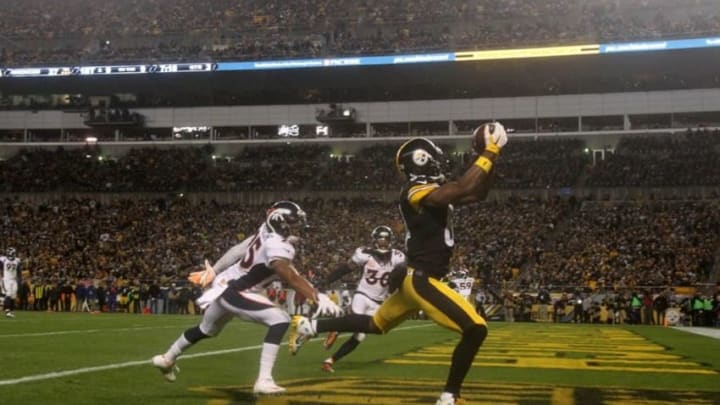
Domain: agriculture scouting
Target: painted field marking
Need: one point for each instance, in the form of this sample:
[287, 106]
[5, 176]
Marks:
[113, 366]
[617, 350]
[79, 331]
[373, 391]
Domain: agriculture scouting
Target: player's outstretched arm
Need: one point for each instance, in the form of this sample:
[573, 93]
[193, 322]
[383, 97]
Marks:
[232, 256]
[341, 270]
[287, 272]
[203, 278]
[474, 184]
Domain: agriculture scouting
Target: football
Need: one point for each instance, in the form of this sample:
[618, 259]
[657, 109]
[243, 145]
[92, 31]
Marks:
[478, 137]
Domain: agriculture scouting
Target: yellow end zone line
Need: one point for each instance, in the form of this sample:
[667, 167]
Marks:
[556, 366]
[354, 390]
[600, 361]
[348, 390]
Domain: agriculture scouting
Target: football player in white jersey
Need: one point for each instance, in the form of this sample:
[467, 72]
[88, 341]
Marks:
[376, 263]
[462, 282]
[263, 257]
[10, 266]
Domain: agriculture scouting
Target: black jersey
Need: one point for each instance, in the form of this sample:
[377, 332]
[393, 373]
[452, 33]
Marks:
[428, 230]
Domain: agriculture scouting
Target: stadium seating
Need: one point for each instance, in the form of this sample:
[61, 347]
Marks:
[83, 31]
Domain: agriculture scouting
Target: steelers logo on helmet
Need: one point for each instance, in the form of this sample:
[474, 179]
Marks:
[420, 157]
[420, 160]
[285, 218]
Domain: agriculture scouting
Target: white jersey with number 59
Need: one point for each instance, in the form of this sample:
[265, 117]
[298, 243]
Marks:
[376, 271]
[463, 284]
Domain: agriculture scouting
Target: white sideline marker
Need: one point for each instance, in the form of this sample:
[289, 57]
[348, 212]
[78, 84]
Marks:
[84, 370]
[73, 332]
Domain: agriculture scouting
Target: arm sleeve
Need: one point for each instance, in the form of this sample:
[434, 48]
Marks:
[341, 270]
[232, 256]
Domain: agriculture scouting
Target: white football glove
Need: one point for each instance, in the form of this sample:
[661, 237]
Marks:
[495, 134]
[202, 278]
[326, 306]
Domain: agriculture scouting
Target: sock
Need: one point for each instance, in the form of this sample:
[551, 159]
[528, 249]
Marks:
[346, 348]
[267, 360]
[177, 348]
[347, 323]
[463, 356]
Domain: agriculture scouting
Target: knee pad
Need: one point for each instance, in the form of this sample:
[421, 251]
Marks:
[476, 332]
[359, 336]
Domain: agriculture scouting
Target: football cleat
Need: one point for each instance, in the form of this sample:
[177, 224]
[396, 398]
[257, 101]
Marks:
[330, 340]
[327, 366]
[267, 386]
[449, 399]
[167, 368]
[301, 331]
[9, 315]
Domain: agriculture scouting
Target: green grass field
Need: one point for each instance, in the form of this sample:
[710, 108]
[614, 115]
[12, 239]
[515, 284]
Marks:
[48, 358]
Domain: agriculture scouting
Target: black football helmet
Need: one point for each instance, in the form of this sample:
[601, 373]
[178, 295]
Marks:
[11, 253]
[382, 237]
[285, 216]
[419, 159]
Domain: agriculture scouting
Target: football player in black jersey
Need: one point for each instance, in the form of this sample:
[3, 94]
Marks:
[426, 204]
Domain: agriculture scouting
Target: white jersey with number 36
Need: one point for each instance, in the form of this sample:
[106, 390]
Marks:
[376, 272]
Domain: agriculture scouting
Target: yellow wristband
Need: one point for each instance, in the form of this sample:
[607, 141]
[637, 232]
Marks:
[484, 163]
[493, 148]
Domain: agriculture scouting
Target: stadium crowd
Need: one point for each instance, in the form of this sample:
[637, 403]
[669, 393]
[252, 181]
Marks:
[147, 247]
[82, 31]
[638, 161]
[140, 250]
[621, 246]
[686, 159]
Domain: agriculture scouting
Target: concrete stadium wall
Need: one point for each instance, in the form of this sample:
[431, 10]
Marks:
[580, 105]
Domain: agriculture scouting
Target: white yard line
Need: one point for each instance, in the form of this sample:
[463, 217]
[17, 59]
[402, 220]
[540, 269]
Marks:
[709, 332]
[78, 331]
[84, 370]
